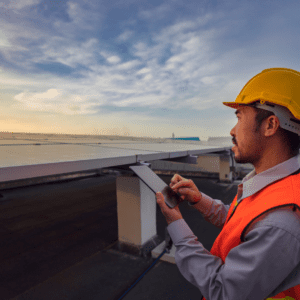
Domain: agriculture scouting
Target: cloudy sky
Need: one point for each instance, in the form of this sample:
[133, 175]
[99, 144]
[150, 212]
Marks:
[139, 68]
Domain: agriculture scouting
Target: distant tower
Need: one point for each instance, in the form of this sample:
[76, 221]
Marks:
[173, 135]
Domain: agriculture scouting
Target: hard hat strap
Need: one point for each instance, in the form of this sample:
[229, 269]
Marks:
[286, 119]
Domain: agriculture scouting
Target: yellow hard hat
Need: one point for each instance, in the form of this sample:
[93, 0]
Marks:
[279, 86]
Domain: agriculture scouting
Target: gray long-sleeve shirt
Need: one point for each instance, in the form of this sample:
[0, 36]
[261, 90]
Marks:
[267, 263]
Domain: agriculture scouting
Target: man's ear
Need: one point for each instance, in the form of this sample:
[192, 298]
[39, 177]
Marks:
[271, 125]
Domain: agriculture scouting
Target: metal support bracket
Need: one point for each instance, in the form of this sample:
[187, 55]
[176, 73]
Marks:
[142, 163]
[124, 169]
[189, 159]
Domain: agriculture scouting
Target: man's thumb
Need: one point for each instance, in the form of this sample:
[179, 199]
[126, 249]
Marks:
[160, 199]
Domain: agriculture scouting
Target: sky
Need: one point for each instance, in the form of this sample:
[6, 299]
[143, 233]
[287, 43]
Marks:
[137, 68]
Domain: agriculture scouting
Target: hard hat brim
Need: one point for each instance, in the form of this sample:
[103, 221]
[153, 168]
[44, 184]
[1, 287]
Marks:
[232, 104]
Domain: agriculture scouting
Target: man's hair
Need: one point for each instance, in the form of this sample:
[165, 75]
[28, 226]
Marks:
[291, 138]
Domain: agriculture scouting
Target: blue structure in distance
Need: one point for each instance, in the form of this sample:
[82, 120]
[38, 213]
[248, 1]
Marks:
[186, 138]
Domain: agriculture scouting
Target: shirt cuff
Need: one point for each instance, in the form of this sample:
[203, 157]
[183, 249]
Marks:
[203, 196]
[178, 230]
[192, 204]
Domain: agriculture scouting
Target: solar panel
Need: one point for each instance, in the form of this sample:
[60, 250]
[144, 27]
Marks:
[28, 158]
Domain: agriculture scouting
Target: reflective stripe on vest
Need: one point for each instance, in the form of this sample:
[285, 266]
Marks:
[278, 194]
[285, 298]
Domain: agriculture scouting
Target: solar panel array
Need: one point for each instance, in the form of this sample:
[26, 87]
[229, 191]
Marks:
[28, 156]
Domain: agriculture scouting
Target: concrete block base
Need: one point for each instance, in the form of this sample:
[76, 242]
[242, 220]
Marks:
[140, 250]
[168, 257]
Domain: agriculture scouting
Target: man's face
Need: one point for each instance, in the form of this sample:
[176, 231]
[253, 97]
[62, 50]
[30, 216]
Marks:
[248, 142]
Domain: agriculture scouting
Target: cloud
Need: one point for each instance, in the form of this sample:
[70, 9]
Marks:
[18, 4]
[158, 12]
[142, 100]
[4, 42]
[190, 64]
[83, 19]
[68, 52]
[73, 10]
[111, 58]
[208, 80]
[166, 70]
[14, 38]
[114, 59]
[125, 36]
[54, 100]
[144, 71]
[129, 65]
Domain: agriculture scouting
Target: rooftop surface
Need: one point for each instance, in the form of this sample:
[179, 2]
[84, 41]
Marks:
[59, 241]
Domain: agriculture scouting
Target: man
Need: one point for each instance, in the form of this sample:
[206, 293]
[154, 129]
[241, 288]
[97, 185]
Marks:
[257, 253]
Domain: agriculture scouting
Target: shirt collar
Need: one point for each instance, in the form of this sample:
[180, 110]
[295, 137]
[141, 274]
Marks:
[253, 183]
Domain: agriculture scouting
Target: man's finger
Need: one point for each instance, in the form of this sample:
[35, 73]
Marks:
[187, 183]
[159, 197]
[176, 178]
[185, 191]
[160, 200]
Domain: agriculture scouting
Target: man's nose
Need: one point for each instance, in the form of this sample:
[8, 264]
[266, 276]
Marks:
[232, 132]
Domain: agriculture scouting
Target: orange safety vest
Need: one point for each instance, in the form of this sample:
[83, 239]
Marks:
[284, 192]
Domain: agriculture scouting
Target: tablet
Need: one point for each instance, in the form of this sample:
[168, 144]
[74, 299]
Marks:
[156, 184]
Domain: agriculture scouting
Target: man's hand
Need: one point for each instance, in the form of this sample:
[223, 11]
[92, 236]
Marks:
[186, 188]
[171, 214]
